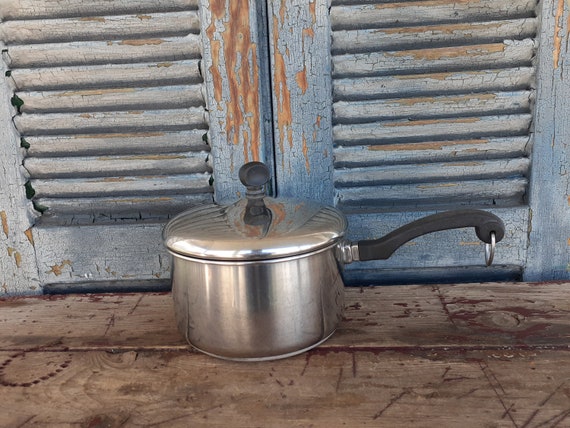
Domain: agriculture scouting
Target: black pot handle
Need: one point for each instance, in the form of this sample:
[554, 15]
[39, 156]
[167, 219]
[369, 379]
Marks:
[485, 224]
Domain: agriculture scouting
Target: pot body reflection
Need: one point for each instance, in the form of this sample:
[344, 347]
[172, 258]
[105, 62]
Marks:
[258, 310]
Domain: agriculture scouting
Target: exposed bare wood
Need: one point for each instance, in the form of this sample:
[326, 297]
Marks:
[236, 88]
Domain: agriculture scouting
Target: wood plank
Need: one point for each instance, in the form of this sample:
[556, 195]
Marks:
[506, 388]
[109, 210]
[128, 98]
[18, 269]
[32, 9]
[380, 15]
[461, 316]
[122, 185]
[482, 103]
[98, 53]
[400, 131]
[103, 27]
[378, 87]
[432, 172]
[549, 237]
[103, 76]
[236, 76]
[113, 144]
[301, 89]
[378, 198]
[456, 355]
[368, 40]
[431, 151]
[113, 121]
[103, 166]
[515, 53]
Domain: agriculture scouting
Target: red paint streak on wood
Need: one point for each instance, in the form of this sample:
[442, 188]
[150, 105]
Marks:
[234, 62]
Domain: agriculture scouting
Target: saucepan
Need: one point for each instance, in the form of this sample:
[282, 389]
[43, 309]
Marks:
[261, 279]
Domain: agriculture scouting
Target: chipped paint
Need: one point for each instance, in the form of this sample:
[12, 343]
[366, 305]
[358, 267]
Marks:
[442, 29]
[95, 92]
[306, 155]
[164, 64]
[18, 259]
[30, 236]
[453, 164]
[144, 17]
[432, 122]
[437, 145]
[57, 270]
[120, 135]
[142, 42]
[140, 157]
[557, 30]
[451, 99]
[450, 52]
[234, 66]
[4, 219]
[427, 3]
[281, 90]
[301, 79]
[93, 19]
[437, 186]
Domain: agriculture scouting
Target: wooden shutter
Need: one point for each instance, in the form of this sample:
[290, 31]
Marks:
[112, 119]
[432, 110]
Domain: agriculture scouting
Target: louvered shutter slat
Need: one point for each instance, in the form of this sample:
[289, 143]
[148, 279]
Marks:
[100, 28]
[33, 9]
[378, 87]
[137, 143]
[108, 76]
[431, 151]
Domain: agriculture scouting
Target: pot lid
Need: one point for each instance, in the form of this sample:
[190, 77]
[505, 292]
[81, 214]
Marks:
[255, 228]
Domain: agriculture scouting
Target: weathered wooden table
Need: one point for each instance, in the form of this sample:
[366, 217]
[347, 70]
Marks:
[471, 355]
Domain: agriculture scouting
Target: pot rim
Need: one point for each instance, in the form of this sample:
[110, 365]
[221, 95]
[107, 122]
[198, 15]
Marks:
[236, 262]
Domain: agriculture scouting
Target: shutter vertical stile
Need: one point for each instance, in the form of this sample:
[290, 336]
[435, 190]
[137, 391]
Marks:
[113, 122]
[432, 110]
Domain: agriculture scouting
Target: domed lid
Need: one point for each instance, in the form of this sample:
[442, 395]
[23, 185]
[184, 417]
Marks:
[255, 228]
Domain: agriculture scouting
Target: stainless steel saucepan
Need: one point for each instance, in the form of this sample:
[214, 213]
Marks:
[261, 279]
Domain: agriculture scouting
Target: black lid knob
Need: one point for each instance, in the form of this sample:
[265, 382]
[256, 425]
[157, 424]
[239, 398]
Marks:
[254, 174]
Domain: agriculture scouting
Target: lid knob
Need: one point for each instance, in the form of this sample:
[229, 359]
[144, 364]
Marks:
[253, 176]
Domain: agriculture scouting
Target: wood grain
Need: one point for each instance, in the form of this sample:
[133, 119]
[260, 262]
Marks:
[549, 238]
[470, 355]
